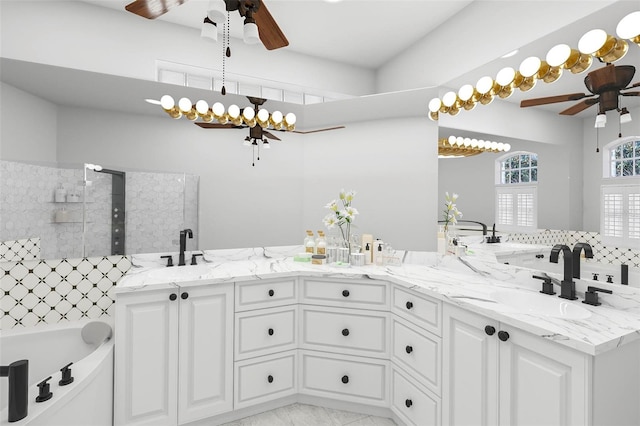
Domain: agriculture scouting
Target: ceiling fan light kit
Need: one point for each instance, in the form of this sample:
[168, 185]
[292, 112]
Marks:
[209, 29]
[593, 44]
[601, 120]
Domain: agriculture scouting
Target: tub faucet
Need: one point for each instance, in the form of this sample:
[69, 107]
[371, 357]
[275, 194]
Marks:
[18, 374]
[183, 244]
[588, 253]
[567, 286]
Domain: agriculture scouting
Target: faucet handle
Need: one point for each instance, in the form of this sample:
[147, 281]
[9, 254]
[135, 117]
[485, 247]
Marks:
[591, 297]
[169, 259]
[194, 258]
[547, 285]
[44, 394]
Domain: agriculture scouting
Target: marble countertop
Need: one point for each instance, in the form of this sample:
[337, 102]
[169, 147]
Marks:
[470, 282]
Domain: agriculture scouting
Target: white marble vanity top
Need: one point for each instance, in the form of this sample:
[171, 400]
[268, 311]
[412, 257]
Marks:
[469, 282]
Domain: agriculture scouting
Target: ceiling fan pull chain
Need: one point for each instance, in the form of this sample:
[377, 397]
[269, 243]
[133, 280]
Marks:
[226, 53]
[597, 139]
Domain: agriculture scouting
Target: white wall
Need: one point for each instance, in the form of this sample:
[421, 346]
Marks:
[63, 33]
[27, 126]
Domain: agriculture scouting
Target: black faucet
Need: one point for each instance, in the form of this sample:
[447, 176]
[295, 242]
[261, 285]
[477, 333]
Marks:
[183, 244]
[493, 238]
[18, 374]
[567, 286]
[588, 253]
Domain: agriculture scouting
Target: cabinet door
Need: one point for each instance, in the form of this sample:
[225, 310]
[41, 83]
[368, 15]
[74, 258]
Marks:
[146, 354]
[470, 375]
[541, 382]
[206, 352]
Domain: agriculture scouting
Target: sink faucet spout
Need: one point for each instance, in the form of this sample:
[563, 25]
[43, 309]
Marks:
[567, 286]
[588, 253]
[183, 244]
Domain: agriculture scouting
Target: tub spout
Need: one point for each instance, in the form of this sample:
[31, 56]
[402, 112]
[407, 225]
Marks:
[18, 375]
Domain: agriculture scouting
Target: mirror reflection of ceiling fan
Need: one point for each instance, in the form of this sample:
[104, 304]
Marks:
[254, 11]
[258, 132]
[605, 84]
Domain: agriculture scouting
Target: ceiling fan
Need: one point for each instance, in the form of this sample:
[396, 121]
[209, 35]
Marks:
[254, 11]
[605, 84]
[258, 132]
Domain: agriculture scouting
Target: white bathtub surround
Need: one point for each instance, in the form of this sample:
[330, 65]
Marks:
[615, 322]
[58, 290]
[88, 399]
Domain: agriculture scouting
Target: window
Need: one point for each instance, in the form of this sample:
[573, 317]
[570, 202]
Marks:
[517, 192]
[620, 193]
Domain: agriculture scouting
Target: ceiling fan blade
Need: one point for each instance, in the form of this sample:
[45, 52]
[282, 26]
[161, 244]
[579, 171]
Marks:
[581, 106]
[552, 99]
[216, 125]
[305, 132]
[630, 94]
[270, 135]
[270, 33]
[151, 9]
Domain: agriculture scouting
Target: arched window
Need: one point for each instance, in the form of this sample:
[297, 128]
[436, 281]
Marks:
[620, 193]
[517, 192]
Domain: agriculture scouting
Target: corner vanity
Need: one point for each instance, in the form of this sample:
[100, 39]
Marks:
[428, 342]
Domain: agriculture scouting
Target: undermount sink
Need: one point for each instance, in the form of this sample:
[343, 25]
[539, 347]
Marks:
[180, 273]
[539, 304]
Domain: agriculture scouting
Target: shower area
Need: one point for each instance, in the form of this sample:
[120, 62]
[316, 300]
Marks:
[81, 211]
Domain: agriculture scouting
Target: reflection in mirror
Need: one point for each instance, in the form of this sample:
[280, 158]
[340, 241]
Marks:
[58, 212]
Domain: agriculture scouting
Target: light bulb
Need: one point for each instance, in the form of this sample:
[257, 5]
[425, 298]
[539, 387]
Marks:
[185, 104]
[167, 102]
[435, 104]
[218, 109]
[234, 111]
[202, 107]
[248, 113]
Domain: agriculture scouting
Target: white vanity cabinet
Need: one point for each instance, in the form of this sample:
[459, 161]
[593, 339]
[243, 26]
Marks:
[266, 341]
[344, 340]
[416, 355]
[495, 374]
[173, 354]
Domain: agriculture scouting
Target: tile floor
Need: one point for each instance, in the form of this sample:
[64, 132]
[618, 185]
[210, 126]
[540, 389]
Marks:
[310, 415]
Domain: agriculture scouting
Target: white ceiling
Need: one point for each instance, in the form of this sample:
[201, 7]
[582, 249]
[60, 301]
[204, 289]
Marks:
[365, 33]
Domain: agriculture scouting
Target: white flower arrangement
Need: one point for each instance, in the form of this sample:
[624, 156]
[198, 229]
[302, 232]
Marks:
[451, 214]
[342, 217]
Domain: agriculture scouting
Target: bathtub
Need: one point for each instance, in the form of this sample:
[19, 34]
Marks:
[88, 401]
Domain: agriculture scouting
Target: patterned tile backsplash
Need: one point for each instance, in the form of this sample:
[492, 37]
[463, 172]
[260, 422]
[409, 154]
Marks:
[16, 250]
[50, 291]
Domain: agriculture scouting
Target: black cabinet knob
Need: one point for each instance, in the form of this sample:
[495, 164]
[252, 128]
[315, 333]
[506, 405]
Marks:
[345, 379]
[184, 295]
[408, 403]
[173, 296]
[490, 330]
[503, 335]
[271, 293]
[345, 293]
[409, 305]
[270, 332]
[408, 349]
[345, 332]
[270, 378]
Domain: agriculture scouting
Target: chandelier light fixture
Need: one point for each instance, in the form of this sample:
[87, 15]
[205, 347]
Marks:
[593, 44]
[457, 146]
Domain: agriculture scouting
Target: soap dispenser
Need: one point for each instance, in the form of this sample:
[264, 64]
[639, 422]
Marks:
[378, 252]
[310, 243]
[321, 244]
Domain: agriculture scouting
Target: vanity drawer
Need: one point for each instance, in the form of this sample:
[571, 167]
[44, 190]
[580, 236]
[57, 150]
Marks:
[413, 405]
[418, 352]
[369, 294]
[418, 308]
[353, 379]
[265, 331]
[266, 293]
[265, 378]
[351, 331]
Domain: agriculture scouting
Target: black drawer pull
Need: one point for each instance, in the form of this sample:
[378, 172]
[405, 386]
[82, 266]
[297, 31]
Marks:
[173, 296]
[490, 330]
[345, 379]
[503, 335]
[270, 332]
[409, 305]
[184, 295]
[345, 332]
[271, 293]
[409, 349]
[345, 293]
[408, 403]
[270, 378]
